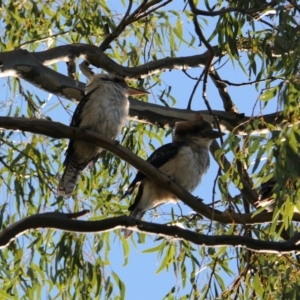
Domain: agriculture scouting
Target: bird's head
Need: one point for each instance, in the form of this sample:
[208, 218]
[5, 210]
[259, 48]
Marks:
[118, 81]
[197, 131]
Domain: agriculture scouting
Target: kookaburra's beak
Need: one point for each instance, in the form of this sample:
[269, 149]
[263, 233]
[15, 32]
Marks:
[132, 91]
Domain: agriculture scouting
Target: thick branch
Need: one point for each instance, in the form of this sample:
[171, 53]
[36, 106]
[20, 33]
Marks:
[22, 64]
[97, 58]
[58, 130]
[32, 68]
[61, 221]
[229, 121]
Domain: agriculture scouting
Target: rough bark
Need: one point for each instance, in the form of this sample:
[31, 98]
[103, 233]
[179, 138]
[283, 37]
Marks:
[32, 67]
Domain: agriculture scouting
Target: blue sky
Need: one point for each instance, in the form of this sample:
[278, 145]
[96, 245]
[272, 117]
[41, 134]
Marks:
[139, 275]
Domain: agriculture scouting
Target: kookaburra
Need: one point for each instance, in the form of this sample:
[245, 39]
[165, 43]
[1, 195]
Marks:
[185, 160]
[265, 198]
[103, 109]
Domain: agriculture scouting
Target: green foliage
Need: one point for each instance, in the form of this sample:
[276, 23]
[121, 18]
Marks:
[72, 266]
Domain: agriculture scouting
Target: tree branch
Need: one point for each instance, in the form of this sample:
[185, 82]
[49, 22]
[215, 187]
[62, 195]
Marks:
[23, 64]
[140, 12]
[97, 58]
[58, 130]
[222, 88]
[32, 68]
[245, 11]
[56, 220]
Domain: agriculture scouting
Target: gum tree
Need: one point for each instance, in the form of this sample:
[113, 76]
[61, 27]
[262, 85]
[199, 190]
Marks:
[48, 50]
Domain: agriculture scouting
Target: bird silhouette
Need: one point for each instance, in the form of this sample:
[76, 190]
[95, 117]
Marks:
[185, 160]
[104, 109]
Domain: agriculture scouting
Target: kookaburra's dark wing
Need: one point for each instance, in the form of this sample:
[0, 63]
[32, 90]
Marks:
[76, 119]
[72, 167]
[75, 122]
[157, 159]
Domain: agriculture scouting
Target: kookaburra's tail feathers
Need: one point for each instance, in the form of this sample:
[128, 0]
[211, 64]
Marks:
[70, 178]
[136, 214]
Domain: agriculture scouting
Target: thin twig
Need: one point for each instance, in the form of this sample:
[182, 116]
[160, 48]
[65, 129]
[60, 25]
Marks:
[251, 82]
[118, 30]
[194, 90]
[210, 278]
